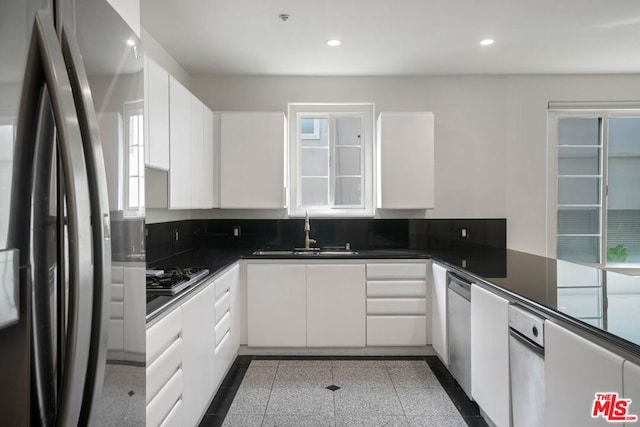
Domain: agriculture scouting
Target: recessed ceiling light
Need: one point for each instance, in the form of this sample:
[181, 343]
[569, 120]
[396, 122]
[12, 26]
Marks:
[333, 42]
[487, 42]
[131, 43]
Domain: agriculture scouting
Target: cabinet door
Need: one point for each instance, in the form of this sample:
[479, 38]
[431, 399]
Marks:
[439, 312]
[631, 384]
[197, 154]
[116, 310]
[156, 97]
[208, 176]
[134, 315]
[252, 160]
[276, 305]
[234, 278]
[407, 178]
[197, 334]
[336, 305]
[490, 354]
[180, 146]
[575, 370]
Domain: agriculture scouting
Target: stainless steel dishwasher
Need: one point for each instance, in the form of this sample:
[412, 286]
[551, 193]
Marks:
[459, 329]
[526, 360]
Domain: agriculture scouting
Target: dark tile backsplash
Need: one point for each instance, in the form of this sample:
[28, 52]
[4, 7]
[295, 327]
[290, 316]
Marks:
[362, 234]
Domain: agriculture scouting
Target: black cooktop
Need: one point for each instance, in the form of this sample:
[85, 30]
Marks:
[171, 280]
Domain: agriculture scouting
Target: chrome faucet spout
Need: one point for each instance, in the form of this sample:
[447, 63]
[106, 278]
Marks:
[307, 230]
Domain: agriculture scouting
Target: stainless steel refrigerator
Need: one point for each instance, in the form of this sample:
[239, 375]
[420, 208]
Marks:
[71, 201]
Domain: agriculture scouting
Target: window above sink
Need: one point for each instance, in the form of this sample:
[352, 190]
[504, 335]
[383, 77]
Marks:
[331, 159]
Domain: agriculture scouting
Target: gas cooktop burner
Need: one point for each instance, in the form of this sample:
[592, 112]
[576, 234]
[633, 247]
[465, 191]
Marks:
[170, 281]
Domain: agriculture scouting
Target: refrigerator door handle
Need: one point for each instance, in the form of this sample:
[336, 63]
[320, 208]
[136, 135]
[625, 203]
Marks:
[45, 66]
[100, 222]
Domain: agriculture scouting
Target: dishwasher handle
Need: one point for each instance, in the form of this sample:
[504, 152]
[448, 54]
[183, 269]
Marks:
[459, 285]
[526, 342]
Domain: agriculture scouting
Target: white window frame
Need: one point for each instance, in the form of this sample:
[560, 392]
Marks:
[592, 111]
[316, 131]
[128, 211]
[366, 111]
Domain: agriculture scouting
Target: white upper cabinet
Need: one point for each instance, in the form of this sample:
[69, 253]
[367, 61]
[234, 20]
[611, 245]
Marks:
[406, 161]
[209, 180]
[180, 143]
[575, 370]
[191, 178]
[252, 160]
[490, 354]
[156, 114]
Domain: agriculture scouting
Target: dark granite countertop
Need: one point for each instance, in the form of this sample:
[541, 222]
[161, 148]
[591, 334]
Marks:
[602, 302]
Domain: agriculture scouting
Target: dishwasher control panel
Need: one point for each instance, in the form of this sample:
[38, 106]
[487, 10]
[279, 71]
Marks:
[527, 324]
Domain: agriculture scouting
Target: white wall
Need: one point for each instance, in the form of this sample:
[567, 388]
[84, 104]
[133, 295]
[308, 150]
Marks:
[491, 133]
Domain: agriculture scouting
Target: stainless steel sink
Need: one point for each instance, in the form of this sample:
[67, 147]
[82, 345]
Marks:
[314, 252]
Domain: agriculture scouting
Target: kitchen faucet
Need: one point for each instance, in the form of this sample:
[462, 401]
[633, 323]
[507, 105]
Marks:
[307, 229]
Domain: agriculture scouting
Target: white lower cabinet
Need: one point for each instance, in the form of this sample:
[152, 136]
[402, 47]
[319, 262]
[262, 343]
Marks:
[631, 387]
[197, 331]
[190, 350]
[392, 330]
[397, 304]
[575, 370]
[439, 312]
[276, 305]
[490, 354]
[336, 305]
[164, 352]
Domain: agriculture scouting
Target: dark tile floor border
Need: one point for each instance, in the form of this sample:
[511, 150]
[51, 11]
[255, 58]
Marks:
[217, 411]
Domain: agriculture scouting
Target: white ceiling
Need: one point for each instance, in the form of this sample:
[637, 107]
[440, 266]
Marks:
[398, 37]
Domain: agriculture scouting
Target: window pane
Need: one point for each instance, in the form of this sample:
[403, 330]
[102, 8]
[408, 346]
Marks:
[133, 161]
[578, 161]
[578, 191]
[578, 131]
[348, 191]
[133, 193]
[579, 249]
[314, 132]
[348, 130]
[314, 161]
[579, 221]
[314, 191]
[348, 161]
[142, 193]
[623, 209]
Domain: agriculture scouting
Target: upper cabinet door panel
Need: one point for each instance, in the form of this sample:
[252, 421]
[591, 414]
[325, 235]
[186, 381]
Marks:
[157, 115]
[208, 177]
[406, 159]
[197, 154]
[252, 160]
[180, 146]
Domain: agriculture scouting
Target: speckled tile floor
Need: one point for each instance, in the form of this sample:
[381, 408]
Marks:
[123, 396]
[340, 392]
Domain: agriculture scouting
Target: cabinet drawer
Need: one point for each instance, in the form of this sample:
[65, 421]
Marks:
[117, 292]
[224, 355]
[163, 333]
[223, 327]
[174, 419]
[158, 409]
[397, 271]
[116, 310]
[163, 368]
[222, 286]
[116, 334]
[397, 288]
[222, 306]
[117, 275]
[396, 330]
[397, 306]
